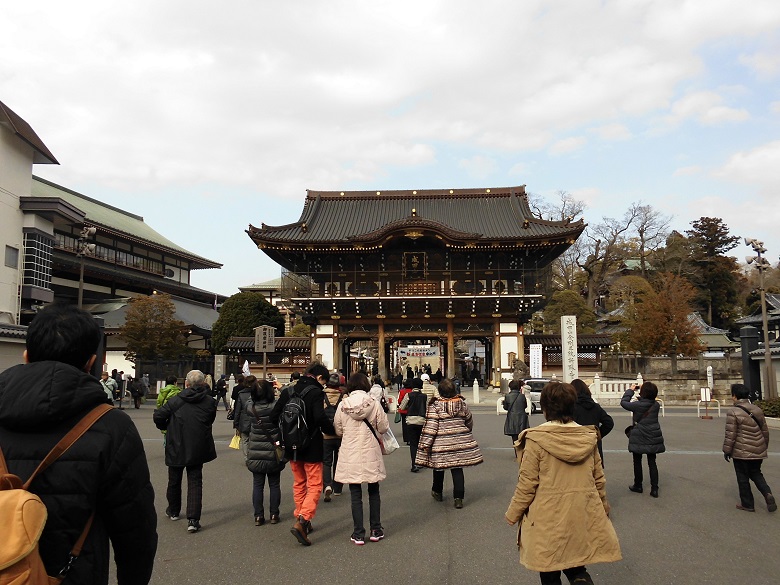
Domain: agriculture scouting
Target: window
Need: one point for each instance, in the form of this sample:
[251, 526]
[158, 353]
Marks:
[11, 257]
[37, 260]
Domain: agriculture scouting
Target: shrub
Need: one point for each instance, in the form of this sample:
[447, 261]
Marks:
[770, 407]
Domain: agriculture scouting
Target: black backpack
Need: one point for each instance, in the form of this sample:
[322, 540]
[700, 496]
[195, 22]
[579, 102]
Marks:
[330, 409]
[293, 426]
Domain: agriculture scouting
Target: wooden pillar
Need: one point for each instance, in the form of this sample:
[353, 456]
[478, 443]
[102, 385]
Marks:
[382, 369]
[520, 344]
[450, 348]
[336, 348]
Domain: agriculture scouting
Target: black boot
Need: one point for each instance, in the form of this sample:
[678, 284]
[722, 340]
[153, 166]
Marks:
[636, 488]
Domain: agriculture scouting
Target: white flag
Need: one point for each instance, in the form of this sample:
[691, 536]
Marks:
[245, 369]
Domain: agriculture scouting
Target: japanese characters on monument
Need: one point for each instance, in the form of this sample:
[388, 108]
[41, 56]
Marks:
[264, 339]
[569, 348]
[535, 365]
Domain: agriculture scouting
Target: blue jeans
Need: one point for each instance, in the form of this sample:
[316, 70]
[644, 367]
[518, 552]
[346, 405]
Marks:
[258, 486]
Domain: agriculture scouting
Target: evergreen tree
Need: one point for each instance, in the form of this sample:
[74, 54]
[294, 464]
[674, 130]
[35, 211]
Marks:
[568, 302]
[240, 314]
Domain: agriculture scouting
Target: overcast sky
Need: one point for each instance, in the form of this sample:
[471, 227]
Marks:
[204, 117]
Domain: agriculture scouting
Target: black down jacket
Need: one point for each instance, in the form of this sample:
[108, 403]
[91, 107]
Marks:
[587, 412]
[188, 417]
[104, 470]
[263, 436]
[646, 436]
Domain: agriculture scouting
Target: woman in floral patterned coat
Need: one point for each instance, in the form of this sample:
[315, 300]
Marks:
[446, 441]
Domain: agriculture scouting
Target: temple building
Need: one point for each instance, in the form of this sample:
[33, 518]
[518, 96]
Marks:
[446, 277]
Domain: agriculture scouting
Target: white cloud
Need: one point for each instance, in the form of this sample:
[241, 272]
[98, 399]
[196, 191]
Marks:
[757, 167]
[613, 132]
[567, 145]
[706, 108]
[765, 65]
[687, 171]
[479, 167]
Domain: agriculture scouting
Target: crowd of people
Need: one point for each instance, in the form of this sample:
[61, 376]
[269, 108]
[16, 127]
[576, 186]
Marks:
[331, 431]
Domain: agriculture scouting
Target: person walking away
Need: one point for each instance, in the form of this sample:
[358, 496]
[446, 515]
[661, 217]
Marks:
[104, 473]
[377, 392]
[145, 385]
[516, 417]
[331, 443]
[415, 403]
[187, 417]
[242, 421]
[167, 392]
[407, 387]
[428, 389]
[110, 386]
[645, 437]
[221, 390]
[747, 445]
[306, 459]
[587, 412]
[261, 458]
[136, 391]
[359, 421]
[446, 441]
[560, 499]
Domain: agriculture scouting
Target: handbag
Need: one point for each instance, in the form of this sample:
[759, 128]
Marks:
[230, 414]
[235, 442]
[397, 416]
[630, 428]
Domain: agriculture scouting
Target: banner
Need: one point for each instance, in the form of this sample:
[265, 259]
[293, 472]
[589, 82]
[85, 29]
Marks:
[418, 351]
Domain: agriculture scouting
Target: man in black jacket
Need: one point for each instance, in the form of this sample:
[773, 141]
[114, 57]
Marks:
[189, 444]
[104, 472]
[306, 463]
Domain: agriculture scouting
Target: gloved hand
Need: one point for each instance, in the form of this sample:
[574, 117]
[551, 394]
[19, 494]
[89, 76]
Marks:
[727, 457]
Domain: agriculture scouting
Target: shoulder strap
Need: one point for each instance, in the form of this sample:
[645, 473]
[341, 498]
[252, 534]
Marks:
[260, 424]
[373, 432]
[750, 414]
[71, 437]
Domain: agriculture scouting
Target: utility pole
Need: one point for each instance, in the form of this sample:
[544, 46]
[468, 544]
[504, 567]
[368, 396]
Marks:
[762, 264]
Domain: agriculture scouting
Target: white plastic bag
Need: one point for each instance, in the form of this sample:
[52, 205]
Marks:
[389, 442]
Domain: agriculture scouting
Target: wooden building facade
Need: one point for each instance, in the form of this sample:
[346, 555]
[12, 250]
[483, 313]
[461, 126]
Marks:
[432, 266]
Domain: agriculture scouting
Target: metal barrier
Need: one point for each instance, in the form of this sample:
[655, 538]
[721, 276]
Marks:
[698, 406]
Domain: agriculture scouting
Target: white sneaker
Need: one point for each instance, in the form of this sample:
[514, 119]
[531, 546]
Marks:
[328, 492]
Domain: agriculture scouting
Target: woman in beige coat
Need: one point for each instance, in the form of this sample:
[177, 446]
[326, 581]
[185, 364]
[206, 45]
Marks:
[561, 499]
[359, 421]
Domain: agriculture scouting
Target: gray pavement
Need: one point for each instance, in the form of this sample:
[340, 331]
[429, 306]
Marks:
[691, 534]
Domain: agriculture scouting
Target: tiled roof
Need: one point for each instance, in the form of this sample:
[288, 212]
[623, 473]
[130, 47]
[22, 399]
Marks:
[13, 331]
[24, 131]
[274, 284]
[583, 340]
[116, 220]
[196, 315]
[280, 343]
[695, 319]
[461, 214]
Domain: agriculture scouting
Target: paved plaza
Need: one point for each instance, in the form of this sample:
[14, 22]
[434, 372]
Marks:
[691, 534]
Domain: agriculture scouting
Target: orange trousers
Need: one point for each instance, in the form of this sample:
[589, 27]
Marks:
[307, 487]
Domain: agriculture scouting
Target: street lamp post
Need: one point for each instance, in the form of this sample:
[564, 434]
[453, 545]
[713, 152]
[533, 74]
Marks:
[761, 265]
[84, 247]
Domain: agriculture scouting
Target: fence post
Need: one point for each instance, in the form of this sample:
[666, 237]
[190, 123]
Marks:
[596, 387]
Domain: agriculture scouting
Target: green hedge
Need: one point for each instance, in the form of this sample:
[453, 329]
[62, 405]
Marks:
[770, 407]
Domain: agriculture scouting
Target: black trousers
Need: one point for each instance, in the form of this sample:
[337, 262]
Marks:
[554, 577]
[651, 466]
[458, 482]
[194, 490]
[413, 432]
[747, 470]
[374, 508]
[330, 458]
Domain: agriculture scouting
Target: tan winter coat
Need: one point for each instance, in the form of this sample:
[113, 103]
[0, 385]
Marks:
[360, 456]
[561, 499]
[746, 438]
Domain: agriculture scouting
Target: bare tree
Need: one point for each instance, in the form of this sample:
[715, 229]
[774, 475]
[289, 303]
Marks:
[604, 251]
[652, 228]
